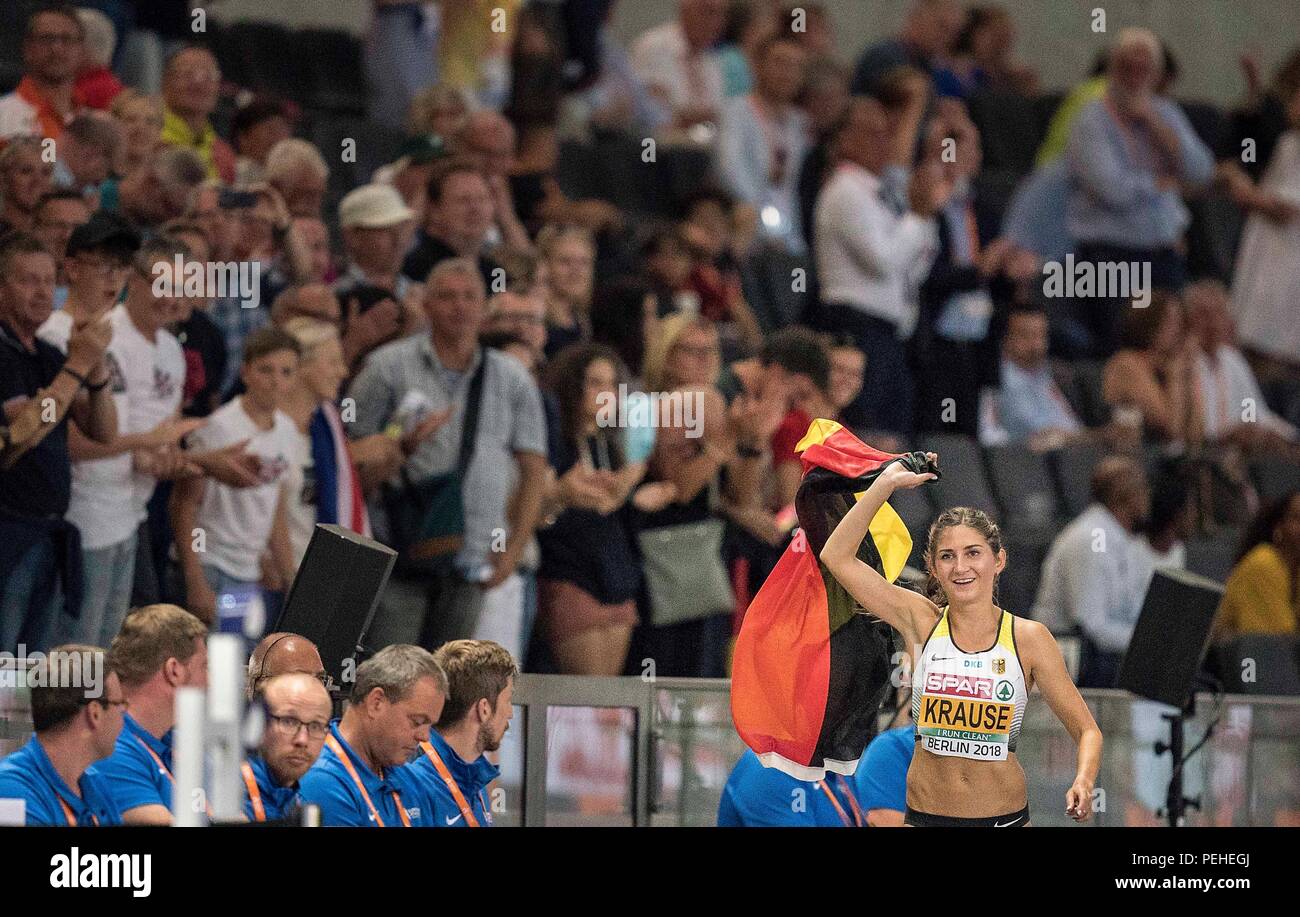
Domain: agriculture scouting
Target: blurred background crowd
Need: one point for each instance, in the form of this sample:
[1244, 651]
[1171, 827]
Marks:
[476, 224]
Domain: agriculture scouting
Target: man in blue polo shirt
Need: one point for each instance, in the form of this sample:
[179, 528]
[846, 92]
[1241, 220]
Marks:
[160, 649]
[359, 780]
[297, 721]
[881, 777]
[764, 797]
[451, 769]
[76, 725]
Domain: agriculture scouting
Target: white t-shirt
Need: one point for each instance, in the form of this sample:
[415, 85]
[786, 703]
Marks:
[1266, 283]
[237, 521]
[17, 117]
[868, 256]
[663, 60]
[108, 498]
[301, 479]
[155, 381]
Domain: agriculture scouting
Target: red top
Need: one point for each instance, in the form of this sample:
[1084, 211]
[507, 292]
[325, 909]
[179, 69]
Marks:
[98, 87]
[792, 429]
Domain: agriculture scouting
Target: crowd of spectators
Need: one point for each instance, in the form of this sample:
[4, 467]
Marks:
[205, 350]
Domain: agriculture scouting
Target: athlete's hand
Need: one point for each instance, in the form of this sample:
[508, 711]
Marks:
[1078, 800]
[900, 478]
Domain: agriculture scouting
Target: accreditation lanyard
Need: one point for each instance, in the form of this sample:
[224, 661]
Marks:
[164, 769]
[254, 794]
[335, 747]
[461, 802]
[68, 814]
[858, 821]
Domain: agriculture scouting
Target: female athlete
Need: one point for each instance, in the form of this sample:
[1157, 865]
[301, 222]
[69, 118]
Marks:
[974, 665]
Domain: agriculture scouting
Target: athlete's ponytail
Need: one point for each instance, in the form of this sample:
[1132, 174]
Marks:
[976, 519]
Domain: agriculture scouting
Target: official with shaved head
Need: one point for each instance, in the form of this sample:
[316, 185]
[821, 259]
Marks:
[297, 709]
[280, 654]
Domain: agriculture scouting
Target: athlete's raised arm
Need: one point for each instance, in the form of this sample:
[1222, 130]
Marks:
[1047, 669]
[900, 608]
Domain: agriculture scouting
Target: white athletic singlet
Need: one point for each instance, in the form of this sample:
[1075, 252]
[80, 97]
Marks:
[969, 705]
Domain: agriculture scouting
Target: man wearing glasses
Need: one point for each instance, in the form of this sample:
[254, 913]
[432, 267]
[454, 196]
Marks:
[45, 100]
[297, 721]
[112, 482]
[190, 90]
[76, 725]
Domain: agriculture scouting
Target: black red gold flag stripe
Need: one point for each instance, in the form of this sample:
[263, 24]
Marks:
[809, 670]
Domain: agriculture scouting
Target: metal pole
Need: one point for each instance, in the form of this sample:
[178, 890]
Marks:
[225, 716]
[188, 798]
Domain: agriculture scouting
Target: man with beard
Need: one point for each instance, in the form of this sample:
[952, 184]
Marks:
[297, 722]
[451, 769]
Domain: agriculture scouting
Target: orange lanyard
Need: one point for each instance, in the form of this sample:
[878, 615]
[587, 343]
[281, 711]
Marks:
[163, 768]
[156, 760]
[448, 779]
[858, 821]
[335, 747]
[67, 812]
[254, 794]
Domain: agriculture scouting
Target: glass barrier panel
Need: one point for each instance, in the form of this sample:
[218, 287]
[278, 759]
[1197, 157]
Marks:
[589, 766]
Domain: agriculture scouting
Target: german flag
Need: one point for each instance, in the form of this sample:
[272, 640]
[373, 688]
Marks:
[809, 670]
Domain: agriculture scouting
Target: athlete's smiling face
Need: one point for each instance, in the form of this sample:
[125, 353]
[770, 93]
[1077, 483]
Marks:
[966, 565]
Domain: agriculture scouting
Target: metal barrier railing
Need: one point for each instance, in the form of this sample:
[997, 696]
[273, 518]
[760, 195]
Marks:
[657, 751]
[634, 751]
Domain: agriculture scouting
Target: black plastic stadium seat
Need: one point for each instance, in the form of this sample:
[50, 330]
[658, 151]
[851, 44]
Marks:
[964, 482]
[336, 77]
[266, 53]
[768, 278]
[576, 170]
[376, 145]
[1275, 477]
[1080, 382]
[1213, 236]
[1045, 106]
[1211, 555]
[1073, 470]
[625, 179]
[1010, 129]
[994, 189]
[1025, 491]
[1018, 584]
[1209, 121]
[1270, 658]
[13, 19]
[685, 171]
[230, 58]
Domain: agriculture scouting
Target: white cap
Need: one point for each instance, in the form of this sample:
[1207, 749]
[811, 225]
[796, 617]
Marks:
[373, 206]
